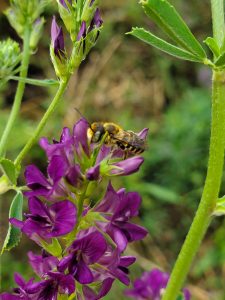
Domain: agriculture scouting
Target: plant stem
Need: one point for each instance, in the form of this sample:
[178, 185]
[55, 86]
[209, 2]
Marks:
[48, 113]
[210, 192]
[19, 91]
[217, 7]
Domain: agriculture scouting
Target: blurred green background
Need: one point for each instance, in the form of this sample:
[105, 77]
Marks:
[134, 85]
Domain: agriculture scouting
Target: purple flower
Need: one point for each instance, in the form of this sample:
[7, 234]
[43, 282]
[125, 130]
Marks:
[52, 187]
[87, 249]
[82, 31]
[91, 294]
[96, 22]
[55, 283]
[42, 264]
[47, 221]
[57, 39]
[63, 148]
[93, 173]
[119, 207]
[24, 291]
[127, 166]
[151, 286]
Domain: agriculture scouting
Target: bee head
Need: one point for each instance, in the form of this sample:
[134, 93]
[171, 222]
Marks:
[96, 132]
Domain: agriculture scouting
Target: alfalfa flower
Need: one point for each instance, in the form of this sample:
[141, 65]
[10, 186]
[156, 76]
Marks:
[151, 286]
[45, 221]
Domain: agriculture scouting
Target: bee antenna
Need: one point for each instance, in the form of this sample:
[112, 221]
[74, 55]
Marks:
[82, 116]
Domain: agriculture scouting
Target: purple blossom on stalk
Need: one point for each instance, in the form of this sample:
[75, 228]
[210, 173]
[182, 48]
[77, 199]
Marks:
[25, 290]
[86, 250]
[96, 21]
[118, 208]
[151, 286]
[45, 221]
[42, 264]
[57, 39]
[54, 284]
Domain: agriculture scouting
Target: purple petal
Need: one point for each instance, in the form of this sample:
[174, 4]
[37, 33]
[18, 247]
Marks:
[96, 21]
[37, 207]
[41, 265]
[16, 223]
[57, 167]
[187, 294]
[126, 261]
[128, 166]
[35, 178]
[103, 153]
[82, 31]
[135, 232]
[57, 38]
[143, 134]
[110, 201]
[119, 238]
[93, 246]
[80, 136]
[93, 173]
[74, 176]
[19, 280]
[7, 296]
[83, 274]
[64, 214]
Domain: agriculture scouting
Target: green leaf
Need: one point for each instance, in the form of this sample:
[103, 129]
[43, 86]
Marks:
[168, 19]
[9, 169]
[37, 82]
[14, 234]
[220, 60]
[213, 46]
[155, 41]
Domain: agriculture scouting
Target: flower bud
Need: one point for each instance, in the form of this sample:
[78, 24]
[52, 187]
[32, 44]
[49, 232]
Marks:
[36, 33]
[57, 50]
[9, 59]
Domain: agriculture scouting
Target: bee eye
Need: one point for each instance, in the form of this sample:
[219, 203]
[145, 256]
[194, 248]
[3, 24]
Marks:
[96, 137]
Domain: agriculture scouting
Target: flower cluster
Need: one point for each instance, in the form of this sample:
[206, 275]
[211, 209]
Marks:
[83, 235]
[83, 23]
[151, 286]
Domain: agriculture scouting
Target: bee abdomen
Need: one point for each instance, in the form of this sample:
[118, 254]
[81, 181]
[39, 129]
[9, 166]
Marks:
[131, 148]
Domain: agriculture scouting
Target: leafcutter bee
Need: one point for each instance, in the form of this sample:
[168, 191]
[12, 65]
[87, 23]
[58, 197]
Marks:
[126, 140]
[114, 135]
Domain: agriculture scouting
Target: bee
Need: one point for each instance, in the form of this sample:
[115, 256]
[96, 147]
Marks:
[126, 140]
[114, 135]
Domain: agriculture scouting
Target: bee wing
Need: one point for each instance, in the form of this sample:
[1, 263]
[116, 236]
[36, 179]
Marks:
[130, 138]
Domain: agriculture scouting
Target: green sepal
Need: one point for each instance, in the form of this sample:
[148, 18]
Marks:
[9, 169]
[213, 46]
[90, 219]
[220, 60]
[14, 234]
[163, 45]
[54, 248]
[168, 20]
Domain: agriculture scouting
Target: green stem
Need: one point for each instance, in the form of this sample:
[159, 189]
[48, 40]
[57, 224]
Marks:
[217, 7]
[48, 113]
[210, 192]
[19, 91]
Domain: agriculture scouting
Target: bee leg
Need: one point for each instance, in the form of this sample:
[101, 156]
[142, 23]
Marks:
[125, 156]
